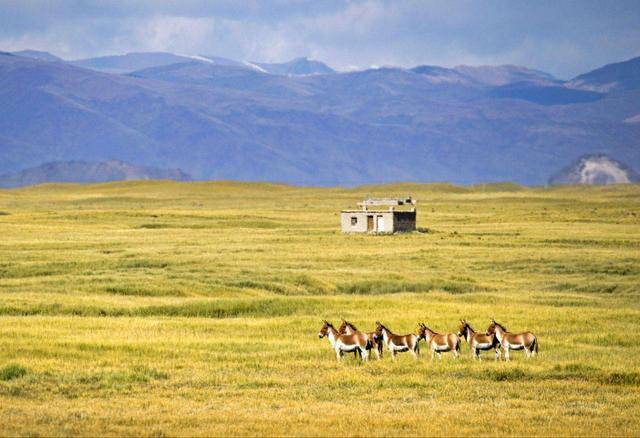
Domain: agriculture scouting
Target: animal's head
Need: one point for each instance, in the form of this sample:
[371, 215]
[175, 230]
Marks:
[343, 327]
[378, 332]
[347, 327]
[324, 330]
[422, 331]
[493, 325]
[464, 327]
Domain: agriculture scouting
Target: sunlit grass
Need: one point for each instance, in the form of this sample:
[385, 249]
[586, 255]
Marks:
[160, 308]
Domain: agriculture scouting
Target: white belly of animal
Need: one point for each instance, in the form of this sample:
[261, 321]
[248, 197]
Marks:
[442, 348]
[515, 346]
[345, 347]
[482, 346]
[398, 347]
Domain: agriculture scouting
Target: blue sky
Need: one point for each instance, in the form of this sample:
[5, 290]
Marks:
[564, 38]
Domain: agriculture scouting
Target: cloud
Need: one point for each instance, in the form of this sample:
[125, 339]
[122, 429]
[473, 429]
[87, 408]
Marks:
[562, 37]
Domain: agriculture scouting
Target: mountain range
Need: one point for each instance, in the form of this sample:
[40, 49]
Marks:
[301, 122]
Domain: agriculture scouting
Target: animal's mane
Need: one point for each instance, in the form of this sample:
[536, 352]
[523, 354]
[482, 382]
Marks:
[386, 328]
[504, 329]
[348, 324]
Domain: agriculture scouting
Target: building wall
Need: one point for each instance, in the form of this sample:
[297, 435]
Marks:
[385, 225]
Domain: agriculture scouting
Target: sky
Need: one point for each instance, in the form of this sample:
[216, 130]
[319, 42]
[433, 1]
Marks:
[564, 38]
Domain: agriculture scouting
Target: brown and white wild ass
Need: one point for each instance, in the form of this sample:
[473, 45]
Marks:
[397, 343]
[440, 343]
[375, 344]
[526, 341]
[342, 343]
[478, 341]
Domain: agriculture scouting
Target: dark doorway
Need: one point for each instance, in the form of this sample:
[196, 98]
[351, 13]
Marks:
[369, 223]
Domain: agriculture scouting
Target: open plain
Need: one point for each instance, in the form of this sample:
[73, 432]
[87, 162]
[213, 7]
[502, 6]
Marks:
[161, 308]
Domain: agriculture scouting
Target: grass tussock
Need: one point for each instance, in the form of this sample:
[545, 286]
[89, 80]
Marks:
[12, 371]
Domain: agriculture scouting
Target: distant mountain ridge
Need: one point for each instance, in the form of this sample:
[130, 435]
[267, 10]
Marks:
[224, 119]
[612, 77]
[86, 172]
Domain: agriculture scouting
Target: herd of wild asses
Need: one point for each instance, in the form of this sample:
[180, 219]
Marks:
[347, 338]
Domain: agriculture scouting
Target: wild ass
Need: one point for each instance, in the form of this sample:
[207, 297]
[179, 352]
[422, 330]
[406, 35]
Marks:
[397, 343]
[374, 344]
[342, 343]
[478, 341]
[526, 341]
[439, 343]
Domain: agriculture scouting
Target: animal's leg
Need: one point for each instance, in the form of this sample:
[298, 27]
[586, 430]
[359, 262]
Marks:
[393, 354]
[506, 354]
[365, 355]
[497, 353]
[433, 353]
[338, 354]
[456, 353]
[439, 355]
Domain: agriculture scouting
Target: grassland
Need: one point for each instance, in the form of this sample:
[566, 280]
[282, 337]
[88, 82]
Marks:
[160, 308]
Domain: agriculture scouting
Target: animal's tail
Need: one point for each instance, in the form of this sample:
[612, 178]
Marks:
[535, 346]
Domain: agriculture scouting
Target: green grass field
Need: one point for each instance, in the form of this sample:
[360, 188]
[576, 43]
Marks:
[158, 308]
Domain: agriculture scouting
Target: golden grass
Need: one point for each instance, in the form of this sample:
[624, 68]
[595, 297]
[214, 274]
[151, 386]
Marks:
[160, 308]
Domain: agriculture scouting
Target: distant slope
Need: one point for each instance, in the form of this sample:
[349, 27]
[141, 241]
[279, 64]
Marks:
[504, 74]
[612, 77]
[85, 172]
[296, 67]
[595, 169]
[130, 61]
[37, 54]
[544, 94]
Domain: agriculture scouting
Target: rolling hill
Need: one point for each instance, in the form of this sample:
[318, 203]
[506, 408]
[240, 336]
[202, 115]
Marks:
[596, 169]
[84, 172]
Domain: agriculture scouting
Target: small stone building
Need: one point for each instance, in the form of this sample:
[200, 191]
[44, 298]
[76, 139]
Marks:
[400, 216]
